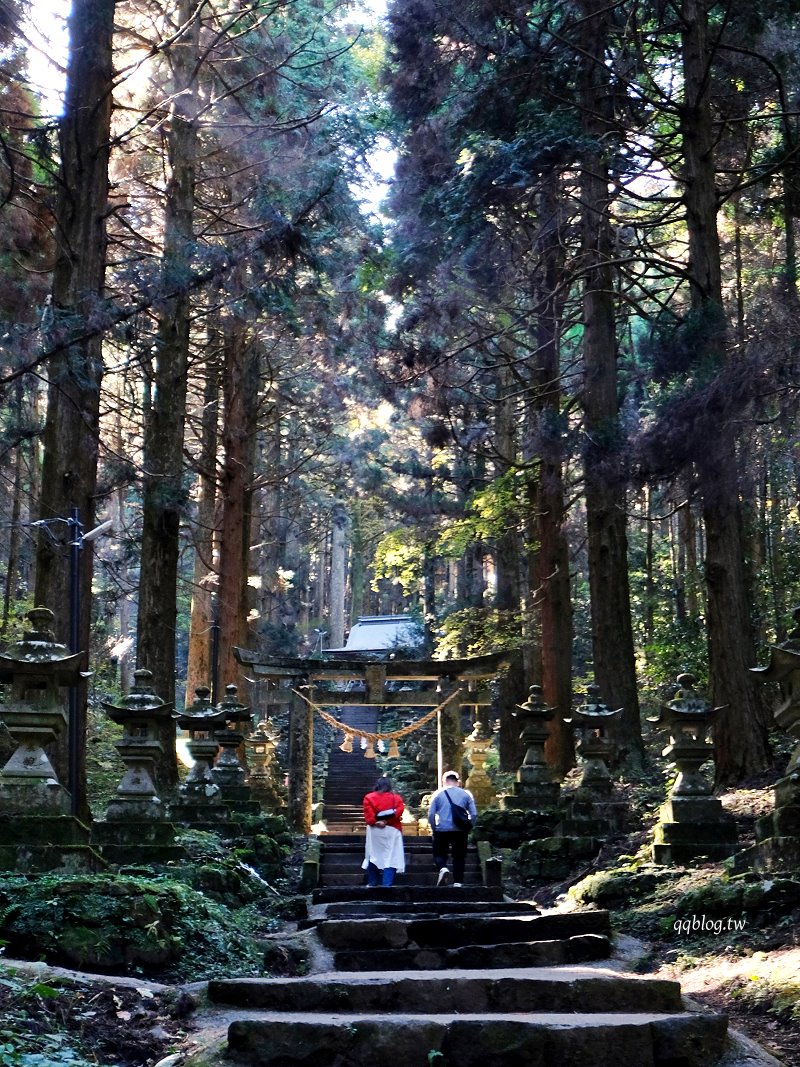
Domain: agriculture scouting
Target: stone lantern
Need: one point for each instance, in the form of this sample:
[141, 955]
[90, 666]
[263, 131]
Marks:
[778, 834]
[692, 823]
[135, 829]
[264, 786]
[590, 722]
[34, 713]
[140, 715]
[200, 801]
[477, 745]
[591, 810]
[534, 787]
[37, 830]
[688, 718]
[228, 772]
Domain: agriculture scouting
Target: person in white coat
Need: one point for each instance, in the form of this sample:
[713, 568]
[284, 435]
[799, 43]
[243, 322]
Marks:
[384, 856]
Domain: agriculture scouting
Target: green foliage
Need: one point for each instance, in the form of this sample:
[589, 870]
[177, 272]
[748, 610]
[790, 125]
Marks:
[399, 558]
[479, 631]
[489, 514]
[129, 925]
[24, 1040]
[104, 768]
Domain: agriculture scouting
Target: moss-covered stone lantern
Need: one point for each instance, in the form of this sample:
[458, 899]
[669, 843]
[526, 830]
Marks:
[36, 668]
[37, 830]
[141, 714]
[228, 772]
[199, 799]
[590, 723]
[534, 786]
[135, 829]
[692, 825]
[592, 811]
[264, 779]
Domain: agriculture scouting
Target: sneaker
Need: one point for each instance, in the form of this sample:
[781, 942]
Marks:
[457, 885]
[444, 876]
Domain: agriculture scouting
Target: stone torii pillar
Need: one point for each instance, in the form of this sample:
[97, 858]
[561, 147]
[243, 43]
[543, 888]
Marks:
[301, 763]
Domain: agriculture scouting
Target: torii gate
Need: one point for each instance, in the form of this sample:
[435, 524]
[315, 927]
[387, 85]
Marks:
[434, 680]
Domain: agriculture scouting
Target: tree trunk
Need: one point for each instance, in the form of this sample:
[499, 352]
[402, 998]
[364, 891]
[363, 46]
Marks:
[199, 667]
[338, 576]
[742, 746]
[511, 684]
[163, 493]
[551, 592]
[358, 562]
[238, 431]
[71, 435]
[605, 482]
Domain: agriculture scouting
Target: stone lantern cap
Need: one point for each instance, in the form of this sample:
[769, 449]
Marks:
[38, 653]
[534, 706]
[687, 713]
[201, 714]
[141, 703]
[594, 714]
[235, 713]
[784, 658]
[265, 732]
[686, 706]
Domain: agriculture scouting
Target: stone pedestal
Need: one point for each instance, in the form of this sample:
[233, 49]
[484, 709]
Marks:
[693, 829]
[40, 844]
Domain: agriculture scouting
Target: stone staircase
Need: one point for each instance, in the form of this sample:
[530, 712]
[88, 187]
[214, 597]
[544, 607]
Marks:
[350, 775]
[415, 977]
[343, 854]
[420, 976]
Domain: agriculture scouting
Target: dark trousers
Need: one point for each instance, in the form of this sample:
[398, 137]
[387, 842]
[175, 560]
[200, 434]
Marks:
[443, 841]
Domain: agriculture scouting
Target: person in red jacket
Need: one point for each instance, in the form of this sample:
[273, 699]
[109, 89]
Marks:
[384, 855]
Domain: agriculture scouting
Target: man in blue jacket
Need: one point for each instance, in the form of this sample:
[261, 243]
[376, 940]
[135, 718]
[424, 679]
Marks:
[443, 816]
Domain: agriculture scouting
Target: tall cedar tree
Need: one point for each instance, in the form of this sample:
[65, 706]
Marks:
[75, 369]
[742, 746]
[163, 492]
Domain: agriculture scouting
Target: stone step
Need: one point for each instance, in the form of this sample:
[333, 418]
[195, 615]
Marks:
[410, 894]
[547, 990]
[653, 1039]
[582, 948]
[456, 931]
[407, 910]
[333, 845]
